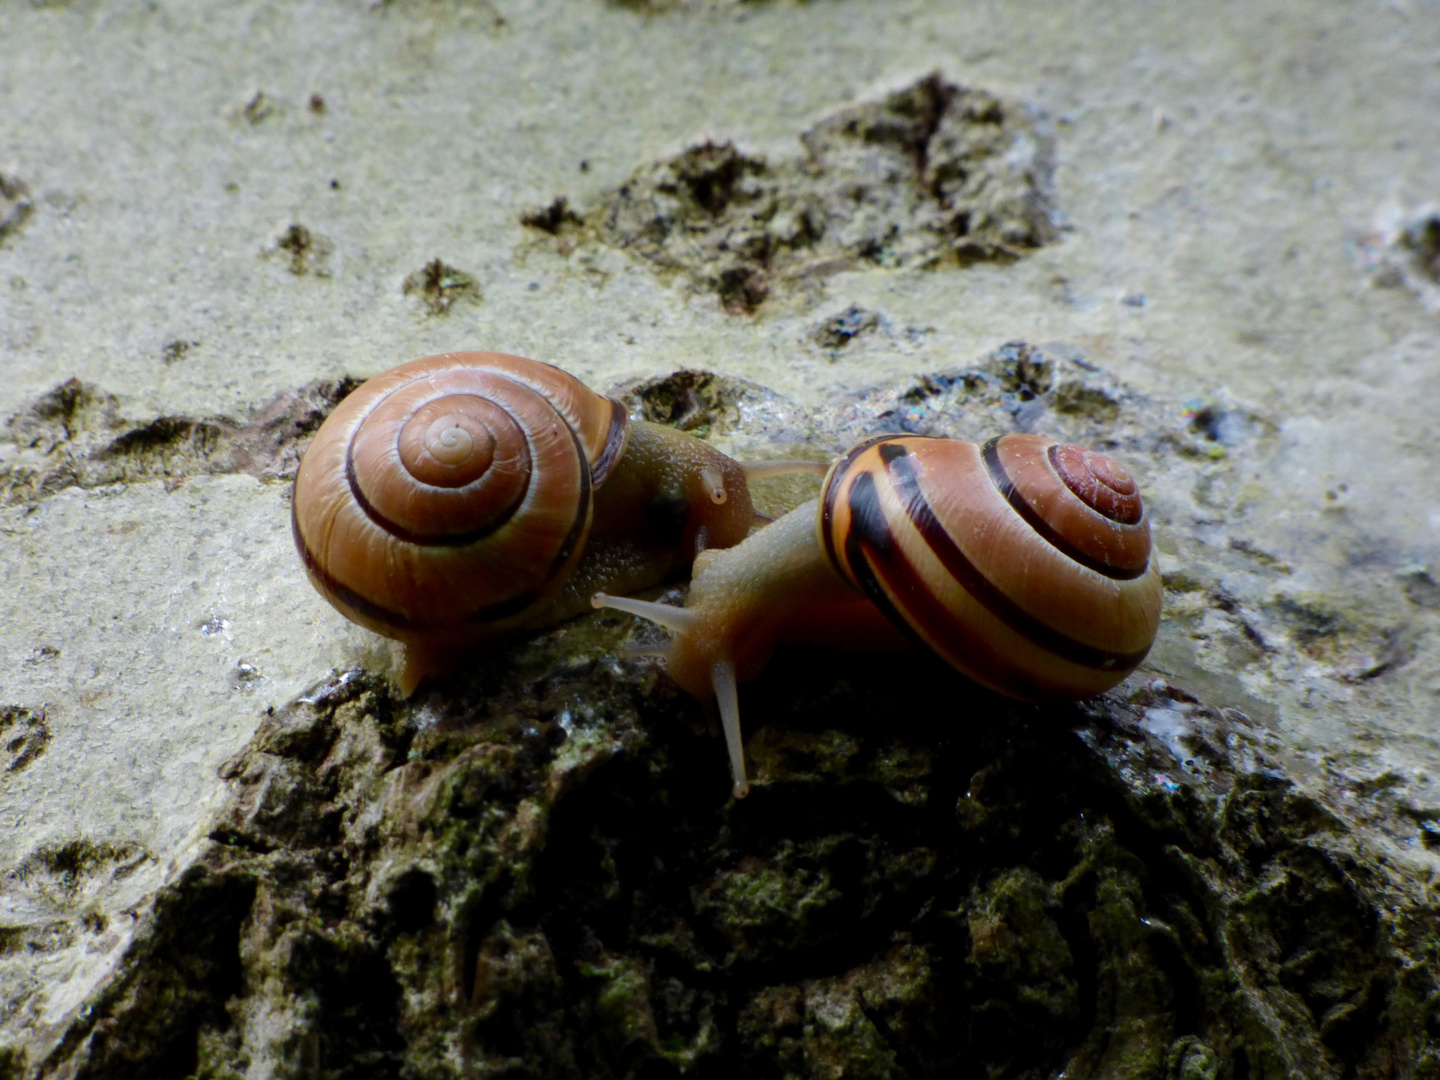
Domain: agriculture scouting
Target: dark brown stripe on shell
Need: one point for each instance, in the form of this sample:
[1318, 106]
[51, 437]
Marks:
[869, 528]
[893, 451]
[506, 608]
[614, 443]
[959, 566]
[903, 580]
[347, 596]
[580, 520]
[427, 539]
[1001, 479]
[457, 539]
[579, 526]
[366, 607]
[832, 494]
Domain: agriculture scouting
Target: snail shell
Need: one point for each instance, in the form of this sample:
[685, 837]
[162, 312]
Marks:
[459, 496]
[453, 492]
[1025, 564]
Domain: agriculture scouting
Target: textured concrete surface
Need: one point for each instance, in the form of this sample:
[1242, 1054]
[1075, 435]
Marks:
[206, 207]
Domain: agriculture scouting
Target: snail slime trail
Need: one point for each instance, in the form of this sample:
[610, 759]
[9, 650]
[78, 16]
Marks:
[1025, 564]
[463, 496]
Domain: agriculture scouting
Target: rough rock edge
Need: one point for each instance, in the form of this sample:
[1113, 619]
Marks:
[382, 894]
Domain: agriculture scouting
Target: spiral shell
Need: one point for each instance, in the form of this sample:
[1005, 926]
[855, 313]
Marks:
[1024, 563]
[451, 496]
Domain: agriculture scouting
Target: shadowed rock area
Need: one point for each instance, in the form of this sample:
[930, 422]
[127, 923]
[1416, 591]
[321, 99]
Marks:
[539, 875]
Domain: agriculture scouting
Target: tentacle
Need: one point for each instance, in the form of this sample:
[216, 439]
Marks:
[762, 470]
[672, 618]
[727, 696]
[714, 482]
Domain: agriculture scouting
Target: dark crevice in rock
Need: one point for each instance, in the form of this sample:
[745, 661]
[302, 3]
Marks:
[439, 287]
[176, 985]
[24, 736]
[303, 251]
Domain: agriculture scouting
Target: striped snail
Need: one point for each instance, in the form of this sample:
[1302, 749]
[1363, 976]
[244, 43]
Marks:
[1024, 563]
[460, 496]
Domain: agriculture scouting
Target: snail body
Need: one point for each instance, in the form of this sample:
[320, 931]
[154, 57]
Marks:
[1025, 564]
[462, 496]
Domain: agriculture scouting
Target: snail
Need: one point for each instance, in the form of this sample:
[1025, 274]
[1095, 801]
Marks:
[1023, 563]
[461, 496]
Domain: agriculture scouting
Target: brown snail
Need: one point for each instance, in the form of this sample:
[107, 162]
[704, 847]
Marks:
[461, 496]
[1025, 564]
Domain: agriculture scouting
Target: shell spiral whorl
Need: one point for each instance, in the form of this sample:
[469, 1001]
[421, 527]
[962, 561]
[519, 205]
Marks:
[453, 494]
[1023, 563]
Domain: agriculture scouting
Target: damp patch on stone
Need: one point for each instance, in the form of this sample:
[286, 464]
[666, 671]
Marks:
[16, 205]
[438, 287]
[933, 175]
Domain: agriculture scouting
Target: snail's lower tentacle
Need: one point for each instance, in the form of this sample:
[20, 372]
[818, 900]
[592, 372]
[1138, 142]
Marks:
[727, 696]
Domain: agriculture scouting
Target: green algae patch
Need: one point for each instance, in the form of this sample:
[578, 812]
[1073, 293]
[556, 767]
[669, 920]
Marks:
[782, 901]
[1015, 941]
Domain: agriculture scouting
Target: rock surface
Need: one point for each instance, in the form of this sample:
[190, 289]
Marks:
[1209, 249]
